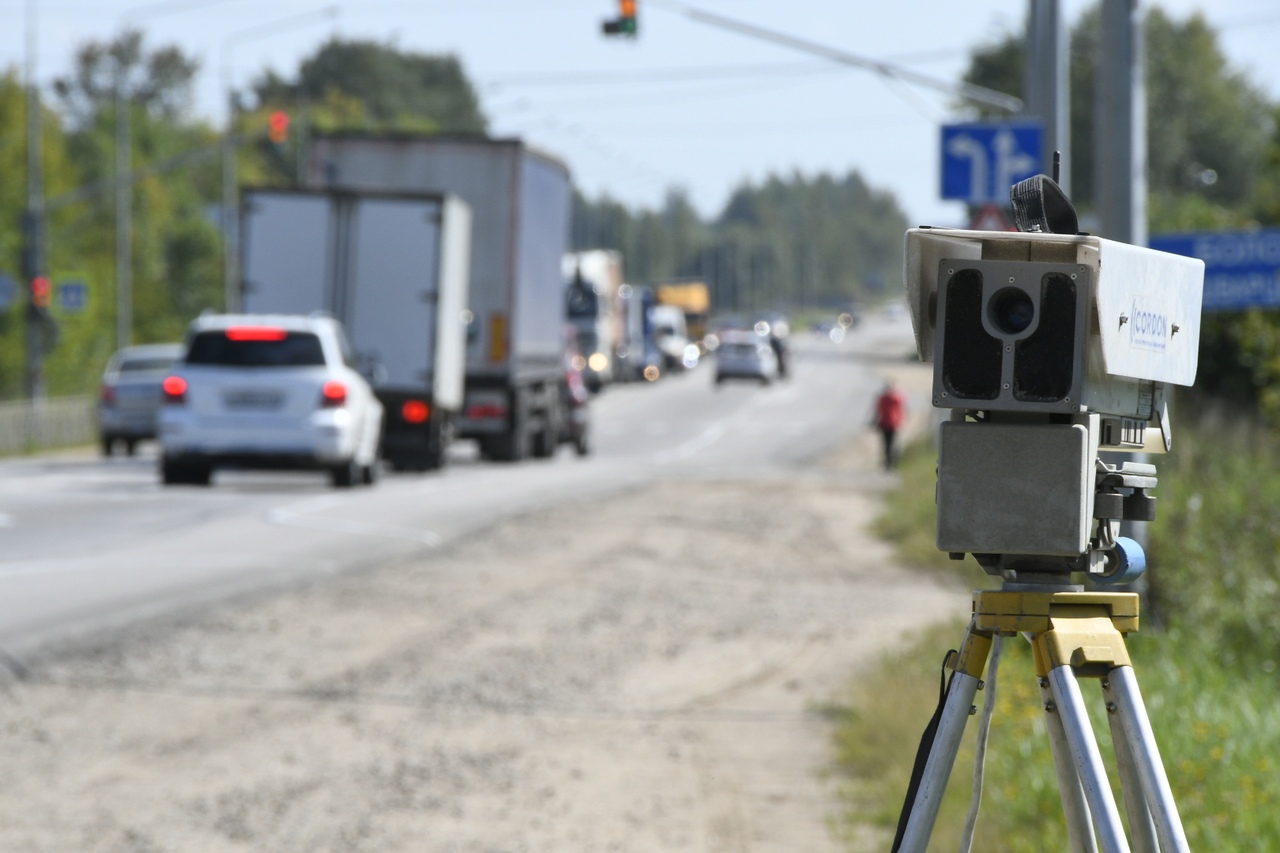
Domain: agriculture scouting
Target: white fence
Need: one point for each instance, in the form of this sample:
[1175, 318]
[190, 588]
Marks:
[61, 422]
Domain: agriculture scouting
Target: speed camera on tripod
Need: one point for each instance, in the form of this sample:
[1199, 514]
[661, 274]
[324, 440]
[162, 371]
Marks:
[1048, 347]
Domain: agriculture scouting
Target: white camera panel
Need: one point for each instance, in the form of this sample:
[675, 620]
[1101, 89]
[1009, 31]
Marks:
[1149, 312]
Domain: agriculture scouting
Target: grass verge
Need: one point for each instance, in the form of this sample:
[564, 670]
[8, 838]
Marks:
[1213, 703]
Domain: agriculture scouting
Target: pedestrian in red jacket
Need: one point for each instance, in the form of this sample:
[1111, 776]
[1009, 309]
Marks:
[891, 413]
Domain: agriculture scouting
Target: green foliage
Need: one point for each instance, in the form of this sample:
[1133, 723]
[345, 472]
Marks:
[176, 241]
[910, 516]
[786, 243]
[1207, 125]
[1214, 544]
[398, 90]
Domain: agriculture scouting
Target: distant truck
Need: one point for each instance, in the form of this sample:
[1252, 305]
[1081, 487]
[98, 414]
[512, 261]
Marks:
[593, 279]
[520, 201]
[638, 356]
[393, 268]
[693, 298]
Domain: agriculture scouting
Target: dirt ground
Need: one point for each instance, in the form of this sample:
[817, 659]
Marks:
[637, 674]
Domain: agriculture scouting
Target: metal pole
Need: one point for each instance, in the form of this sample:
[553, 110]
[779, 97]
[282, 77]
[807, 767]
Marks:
[124, 217]
[1122, 683]
[1046, 86]
[230, 217]
[1120, 141]
[937, 769]
[230, 202]
[1088, 759]
[33, 219]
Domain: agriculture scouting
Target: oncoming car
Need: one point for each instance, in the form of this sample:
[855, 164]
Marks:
[129, 398]
[744, 354]
[269, 391]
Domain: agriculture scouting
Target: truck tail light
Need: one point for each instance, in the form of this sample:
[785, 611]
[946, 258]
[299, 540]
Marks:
[415, 411]
[174, 389]
[486, 410]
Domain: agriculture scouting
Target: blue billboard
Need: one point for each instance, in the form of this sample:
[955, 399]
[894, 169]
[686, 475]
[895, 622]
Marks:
[1241, 268]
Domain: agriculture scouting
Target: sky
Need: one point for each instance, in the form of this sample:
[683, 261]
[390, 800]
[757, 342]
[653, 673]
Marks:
[685, 105]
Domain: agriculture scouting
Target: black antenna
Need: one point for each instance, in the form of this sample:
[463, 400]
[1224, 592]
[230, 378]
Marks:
[1057, 167]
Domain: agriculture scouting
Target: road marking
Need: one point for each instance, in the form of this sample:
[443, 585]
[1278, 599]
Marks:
[298, 516]
[697, 444]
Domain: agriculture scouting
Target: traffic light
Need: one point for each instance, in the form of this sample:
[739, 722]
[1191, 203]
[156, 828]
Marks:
[278, 127]
[625, 23]
[40, 293]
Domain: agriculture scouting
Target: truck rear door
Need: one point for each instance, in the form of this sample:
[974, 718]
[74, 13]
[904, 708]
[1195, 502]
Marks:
[287, 254]
[392, 287]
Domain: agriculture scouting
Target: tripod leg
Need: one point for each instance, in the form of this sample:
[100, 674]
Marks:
[1123, 685]
[1088, 759]
[946, 743]
[1141, 828]
[1079, 823]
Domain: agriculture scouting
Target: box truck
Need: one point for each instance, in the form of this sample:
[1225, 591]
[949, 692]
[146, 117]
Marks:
[520, 201]
[394, 269]
[594, 278]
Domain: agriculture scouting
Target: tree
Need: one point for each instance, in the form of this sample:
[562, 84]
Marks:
[157, 82]
[399, 90]
[1207, 125]
[786, 243]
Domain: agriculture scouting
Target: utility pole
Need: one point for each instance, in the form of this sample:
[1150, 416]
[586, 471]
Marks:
[1046, 85]
[33, 226]
[1120, 125]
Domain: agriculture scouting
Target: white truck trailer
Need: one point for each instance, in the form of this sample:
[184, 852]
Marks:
[520, 200]
[394, 269]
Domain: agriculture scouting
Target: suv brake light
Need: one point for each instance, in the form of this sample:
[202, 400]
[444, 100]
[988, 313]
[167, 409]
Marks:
[256, 333]
[175, 389]
[334, 393]
[108, 395]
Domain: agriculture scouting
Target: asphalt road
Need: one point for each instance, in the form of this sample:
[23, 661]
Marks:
[89, 543]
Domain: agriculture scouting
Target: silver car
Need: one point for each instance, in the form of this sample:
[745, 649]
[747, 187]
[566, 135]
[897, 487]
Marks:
[268, 391]
[129, 396]
[745, 354]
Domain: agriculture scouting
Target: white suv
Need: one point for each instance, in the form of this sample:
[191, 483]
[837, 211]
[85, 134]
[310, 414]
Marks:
[268, 391]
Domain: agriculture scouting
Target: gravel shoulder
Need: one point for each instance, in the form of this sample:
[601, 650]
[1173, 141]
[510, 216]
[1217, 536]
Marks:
[637, 674]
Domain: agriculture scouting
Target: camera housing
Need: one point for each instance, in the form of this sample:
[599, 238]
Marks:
[1055, 323]
[1049, 349]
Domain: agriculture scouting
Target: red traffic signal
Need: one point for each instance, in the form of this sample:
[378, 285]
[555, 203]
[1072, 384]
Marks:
[278, 127]
[41, 290]
[625, 23]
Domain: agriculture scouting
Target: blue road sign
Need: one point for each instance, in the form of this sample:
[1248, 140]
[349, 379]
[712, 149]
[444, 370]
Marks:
[72, 296]
[8, 290]
[982, 160]
[1241, 268]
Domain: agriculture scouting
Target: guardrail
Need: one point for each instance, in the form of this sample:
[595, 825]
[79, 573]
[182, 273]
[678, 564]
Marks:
[27, 425]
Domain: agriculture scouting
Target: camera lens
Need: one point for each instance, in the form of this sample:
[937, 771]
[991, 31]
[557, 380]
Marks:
[1012, 311]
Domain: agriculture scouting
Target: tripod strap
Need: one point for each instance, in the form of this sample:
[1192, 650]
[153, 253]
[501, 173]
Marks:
[922, 752]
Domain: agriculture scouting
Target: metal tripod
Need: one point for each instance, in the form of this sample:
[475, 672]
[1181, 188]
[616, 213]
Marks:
[1073, 634]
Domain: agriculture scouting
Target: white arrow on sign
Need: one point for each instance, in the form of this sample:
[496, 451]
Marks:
[1011, 160]
[965, 147]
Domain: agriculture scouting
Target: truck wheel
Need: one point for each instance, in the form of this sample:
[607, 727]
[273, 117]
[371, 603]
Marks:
[544, 441]
[513, 445]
